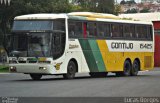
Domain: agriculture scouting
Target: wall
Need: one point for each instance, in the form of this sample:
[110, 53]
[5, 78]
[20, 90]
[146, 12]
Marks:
[157, 43]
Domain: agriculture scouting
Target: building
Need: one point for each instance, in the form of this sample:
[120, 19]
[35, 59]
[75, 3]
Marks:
[150, 1]
[145, 6]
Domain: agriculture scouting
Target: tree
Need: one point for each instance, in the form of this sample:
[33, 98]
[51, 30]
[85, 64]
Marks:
[122, 2]
[21, 7]
[117, 9]
[145, 10]
[105, 6]
[102, 6]
[132, 10]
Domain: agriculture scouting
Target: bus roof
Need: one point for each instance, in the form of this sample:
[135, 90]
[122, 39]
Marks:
[40, 16]
[89, 16]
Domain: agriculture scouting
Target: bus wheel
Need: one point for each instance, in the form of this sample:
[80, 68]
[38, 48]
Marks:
[126, 69]
[36, 76]
[71, 70]
[135, 68]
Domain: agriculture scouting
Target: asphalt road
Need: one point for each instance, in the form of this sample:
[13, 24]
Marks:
[146, 84]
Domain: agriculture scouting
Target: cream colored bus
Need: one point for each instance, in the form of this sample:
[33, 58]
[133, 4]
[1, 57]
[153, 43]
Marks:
[82, 42]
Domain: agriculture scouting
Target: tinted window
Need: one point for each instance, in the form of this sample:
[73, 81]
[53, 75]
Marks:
[141, 31]
[117, 30]
[128, 31]
[59, 25]
[91, 29]
[75, 29]
[103, 30]
[149, 33]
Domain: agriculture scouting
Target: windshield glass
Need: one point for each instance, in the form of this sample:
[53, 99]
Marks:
[30, 44]
[34, 38]
[32, 25]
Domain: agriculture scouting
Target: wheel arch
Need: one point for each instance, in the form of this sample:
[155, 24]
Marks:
[128, 59]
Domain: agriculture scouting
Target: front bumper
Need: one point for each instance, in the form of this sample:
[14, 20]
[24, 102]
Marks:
[34, 68]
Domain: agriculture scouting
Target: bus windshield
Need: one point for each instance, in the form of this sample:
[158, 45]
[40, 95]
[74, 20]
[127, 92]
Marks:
[33, 38]
[30, 45]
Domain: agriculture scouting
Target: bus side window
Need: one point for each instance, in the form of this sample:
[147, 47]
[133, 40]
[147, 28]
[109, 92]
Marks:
[127, 31]
[144, 32]
[79, 29]
[91, 29]
[141, 31]
[107, 30]
[101, 30]
[136, 32]
[75, 29]
[117, 30]
[71, 29]
[149, 32]
[132, 31]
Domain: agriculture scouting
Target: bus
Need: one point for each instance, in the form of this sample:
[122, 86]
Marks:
[80, 42]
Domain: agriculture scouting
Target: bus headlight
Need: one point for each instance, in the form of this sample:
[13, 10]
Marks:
[42, 68]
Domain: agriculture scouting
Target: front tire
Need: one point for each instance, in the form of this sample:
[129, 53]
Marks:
[71, 71]
[36, 76]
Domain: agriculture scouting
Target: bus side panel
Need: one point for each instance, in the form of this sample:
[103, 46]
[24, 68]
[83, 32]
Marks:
[75, 52]
[113, 60]
[148, 61]
[92, 55]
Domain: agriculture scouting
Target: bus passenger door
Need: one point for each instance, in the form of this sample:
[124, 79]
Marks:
[58, 45]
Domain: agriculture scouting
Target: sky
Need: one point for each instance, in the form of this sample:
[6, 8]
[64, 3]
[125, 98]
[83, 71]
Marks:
[126, 0]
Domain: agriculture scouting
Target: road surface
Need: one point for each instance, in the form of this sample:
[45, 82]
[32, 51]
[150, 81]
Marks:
[146, 84]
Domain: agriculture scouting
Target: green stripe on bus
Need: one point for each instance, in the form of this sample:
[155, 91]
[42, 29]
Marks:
[97, 55]
[88, 55]
[92, 55]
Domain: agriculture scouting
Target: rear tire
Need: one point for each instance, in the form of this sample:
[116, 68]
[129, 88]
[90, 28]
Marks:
[135, 68]
[71, 71]
[36, 76]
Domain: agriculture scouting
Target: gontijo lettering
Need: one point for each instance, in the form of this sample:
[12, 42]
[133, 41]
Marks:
[118, 45]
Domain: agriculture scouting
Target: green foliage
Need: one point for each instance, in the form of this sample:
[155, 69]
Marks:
[102, 6]
[131, 11]
[145, 10]
[117, 9]
[21, 7]
[4, 68]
